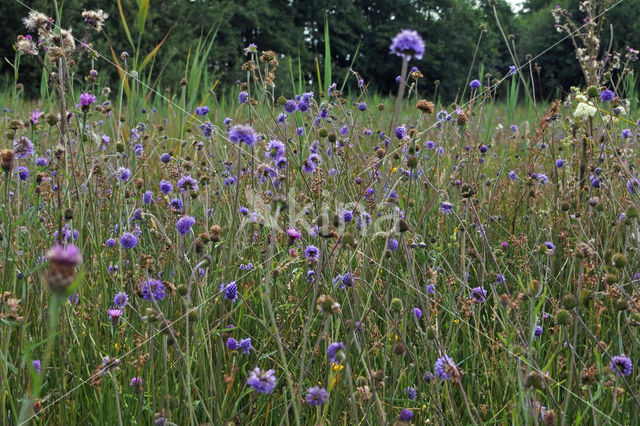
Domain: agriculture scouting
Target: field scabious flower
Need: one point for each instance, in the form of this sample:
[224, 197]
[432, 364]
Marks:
[262, 381]
[316, 396]
[165, 187]
[444, 367]
[446, 208]
[407, 44]
[621, 365]
[401, 132]
[475, 84]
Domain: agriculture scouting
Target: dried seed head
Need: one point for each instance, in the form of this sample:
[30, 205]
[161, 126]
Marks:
[426, 106]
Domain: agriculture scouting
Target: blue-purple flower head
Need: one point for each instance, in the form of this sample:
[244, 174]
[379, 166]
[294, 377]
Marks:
[241, 133]
[512, 175]
[165, 158]
[416, 313]
[147, 197]
[626, 133]
[446, 208]
[202, 110]
[152, 289]
[184, 224]
[120, 300]
[407, 44]
[23, 173]
[607, 95]
[229, 291]
[392, 244]
[243, 97]
[537, 331]
[165, 187]
[405, 415]
[128, 240]
[22, 147]
[559, 163]
[316, 396]
[275, 149]
[445, 367]
[362, 106]
[262, 381]
[551, 248]
[479, 294]
[401, 132]
[336, 352]
[621, 365]
[37, 365]
[312, 252]
[475, 84]
[188, 183]
[123, 174]
[411, 392]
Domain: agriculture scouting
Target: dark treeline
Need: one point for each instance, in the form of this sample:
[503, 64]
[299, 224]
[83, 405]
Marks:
[451, 29]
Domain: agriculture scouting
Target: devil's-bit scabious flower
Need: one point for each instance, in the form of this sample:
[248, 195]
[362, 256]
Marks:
[37, 365]
[551, 248]
[275, 149]
[607, 95]
[621, 365]
[559, 163]
[62, 263]
[362, 106]
[446, 208]
[230, 291]
[479, 294]
[626, 133]
[444, 367]
[165, 187]
[407, 44]
[120, 300]
[537, 331]
[411, 392]
[147, 197]
[475, 84]
[512, 175]
[184, 224]
[392, 244]
[23, 173]
[123, 174]
[416, 313]
[312, 252]
[152, 289]
[243, 97]
[241, 133]
[232, 344]
[202, 110]
[22, 147]
[405, 415]
[316, 396]
[262, 381]
[188, 183]
[165, 158]
[128, 240]
[401, 132]
[336, 352]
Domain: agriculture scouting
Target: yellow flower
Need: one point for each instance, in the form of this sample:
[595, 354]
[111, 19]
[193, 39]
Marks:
[456, 321]
[395, 169]
[337, 367]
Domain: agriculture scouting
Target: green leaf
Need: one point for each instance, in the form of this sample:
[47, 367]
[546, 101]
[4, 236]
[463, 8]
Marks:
[143, 12]
[124, 23]
[327, 55]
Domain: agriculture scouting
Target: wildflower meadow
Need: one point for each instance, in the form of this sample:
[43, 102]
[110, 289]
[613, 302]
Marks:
[301, 249]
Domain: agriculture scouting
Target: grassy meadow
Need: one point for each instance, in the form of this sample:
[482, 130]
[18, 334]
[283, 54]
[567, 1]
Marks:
[235, 255]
